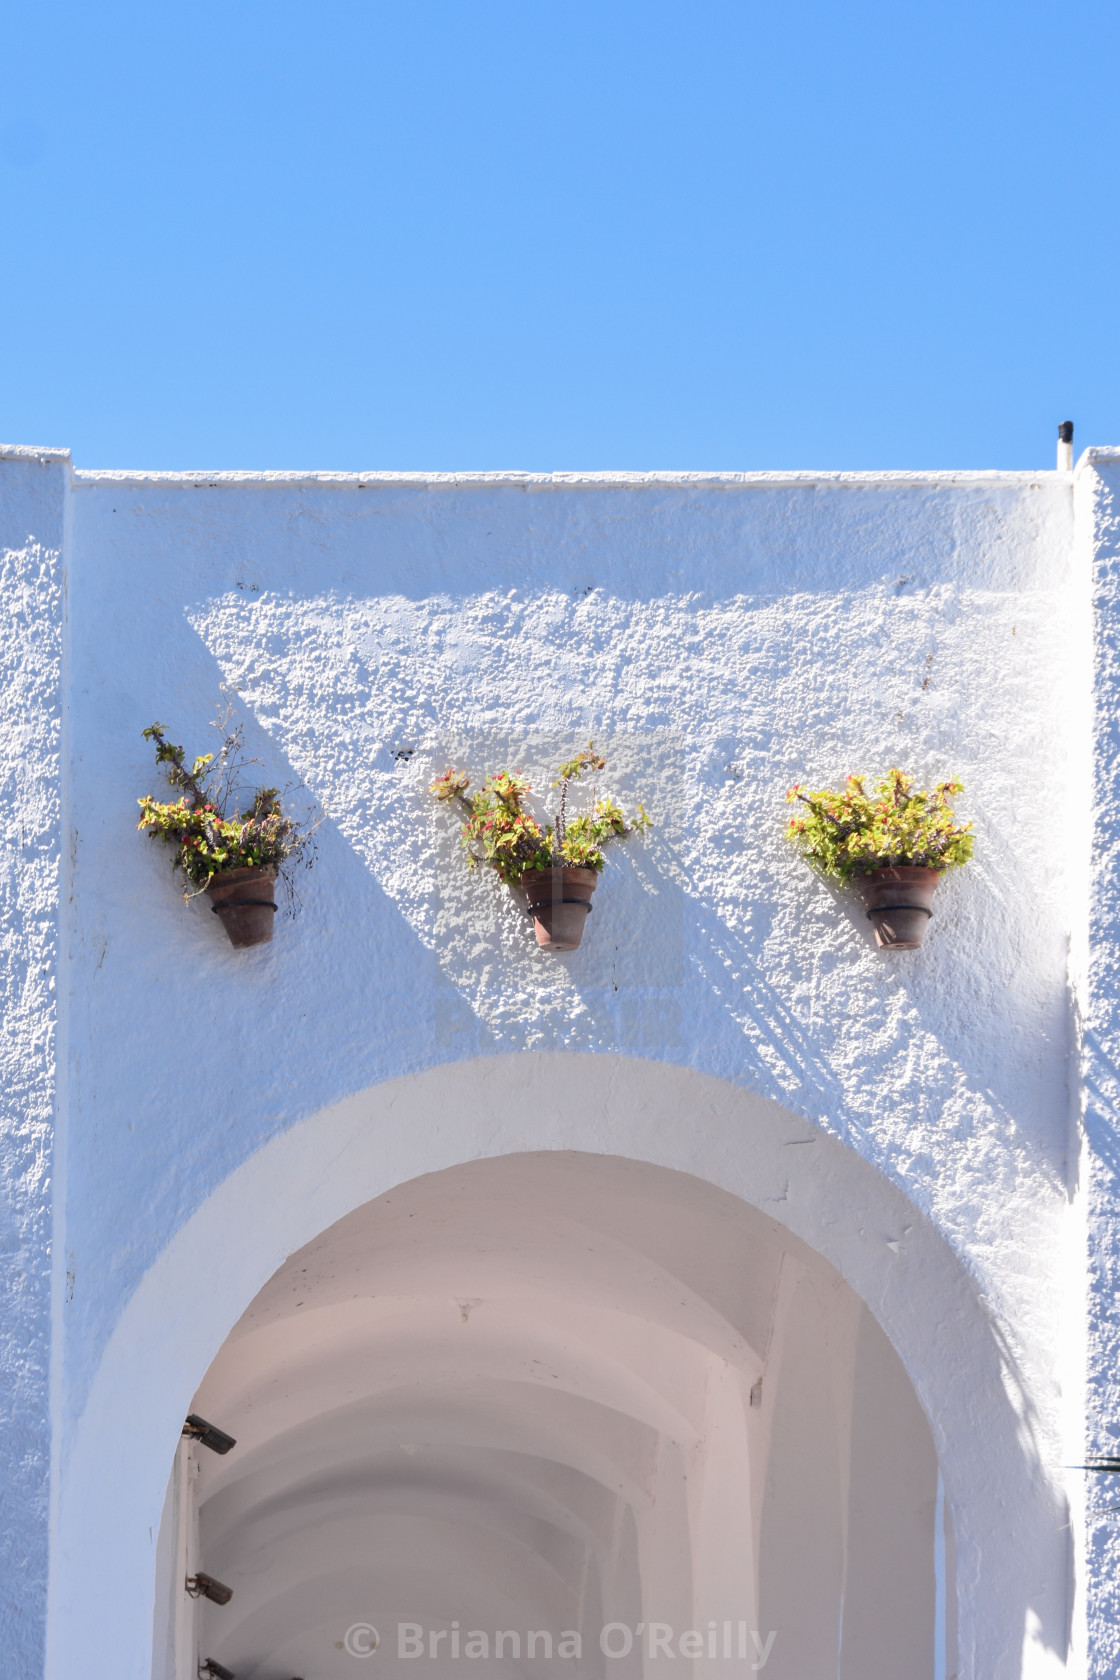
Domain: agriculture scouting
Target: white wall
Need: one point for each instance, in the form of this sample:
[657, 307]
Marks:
[1099, 998]
[1007, 1514]
[720, 638]
[32, 501]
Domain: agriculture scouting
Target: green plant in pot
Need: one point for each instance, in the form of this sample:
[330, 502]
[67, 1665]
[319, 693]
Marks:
[893, 844]
[229, 847]
[556, 866]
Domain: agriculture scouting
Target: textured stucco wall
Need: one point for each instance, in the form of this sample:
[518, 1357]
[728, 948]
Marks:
[730, 640]
[1099, 509]
[720, 638]
[32, 511]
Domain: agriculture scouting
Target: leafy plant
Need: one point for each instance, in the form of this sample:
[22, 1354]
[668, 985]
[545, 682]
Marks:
[855, 832]
[501, 833]
[206, 827]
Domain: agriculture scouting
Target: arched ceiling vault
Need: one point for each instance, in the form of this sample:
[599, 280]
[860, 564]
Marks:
[512, 1393]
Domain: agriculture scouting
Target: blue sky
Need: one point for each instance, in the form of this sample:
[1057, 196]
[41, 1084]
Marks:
[471, 233]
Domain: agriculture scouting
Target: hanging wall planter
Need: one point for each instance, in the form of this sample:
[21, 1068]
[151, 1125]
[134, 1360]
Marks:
[244, 901]
[892, 844]
[232, 855]
[899, 901]
[559, 902]
[555, 868]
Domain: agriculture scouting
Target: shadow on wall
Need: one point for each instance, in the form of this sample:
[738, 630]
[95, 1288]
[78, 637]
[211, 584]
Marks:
[406, 618]
[711, 946]
[370, 697]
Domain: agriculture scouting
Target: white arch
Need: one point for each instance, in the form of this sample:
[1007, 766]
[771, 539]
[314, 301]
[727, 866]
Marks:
[1009, 1520]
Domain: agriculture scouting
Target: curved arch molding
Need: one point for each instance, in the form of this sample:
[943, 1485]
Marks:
[1010, 1521]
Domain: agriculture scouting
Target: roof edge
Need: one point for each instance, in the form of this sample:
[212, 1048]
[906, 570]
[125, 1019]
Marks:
[31, 452]
[564, 480]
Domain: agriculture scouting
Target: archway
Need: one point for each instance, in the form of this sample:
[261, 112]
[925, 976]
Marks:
[1009, 1523]
[519, 1402]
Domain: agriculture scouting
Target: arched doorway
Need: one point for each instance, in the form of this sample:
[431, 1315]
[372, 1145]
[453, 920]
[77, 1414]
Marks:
[543, 1395]
[1009, 1519]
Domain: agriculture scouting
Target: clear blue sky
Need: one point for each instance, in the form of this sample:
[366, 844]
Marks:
[472, 233]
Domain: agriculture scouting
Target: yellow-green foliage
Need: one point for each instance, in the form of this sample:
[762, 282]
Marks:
[499, 831]
[203, 838]
[854, 832]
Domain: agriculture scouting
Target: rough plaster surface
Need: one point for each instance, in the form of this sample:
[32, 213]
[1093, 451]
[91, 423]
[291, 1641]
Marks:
[720, 637]
[31, 540]
[1100, 492]
[719, 644]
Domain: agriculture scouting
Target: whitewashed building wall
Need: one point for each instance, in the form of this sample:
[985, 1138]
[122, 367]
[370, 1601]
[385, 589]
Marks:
[179, 1117]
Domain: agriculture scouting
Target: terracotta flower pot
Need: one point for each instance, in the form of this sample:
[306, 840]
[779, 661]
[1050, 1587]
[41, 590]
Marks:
[899, 903]
[559, 902]
[244, 901]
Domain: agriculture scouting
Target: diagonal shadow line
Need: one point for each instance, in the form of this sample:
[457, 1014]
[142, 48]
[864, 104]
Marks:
[780, 1040]
[1101, 1074]
[789, 1056]
[786, 1056]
